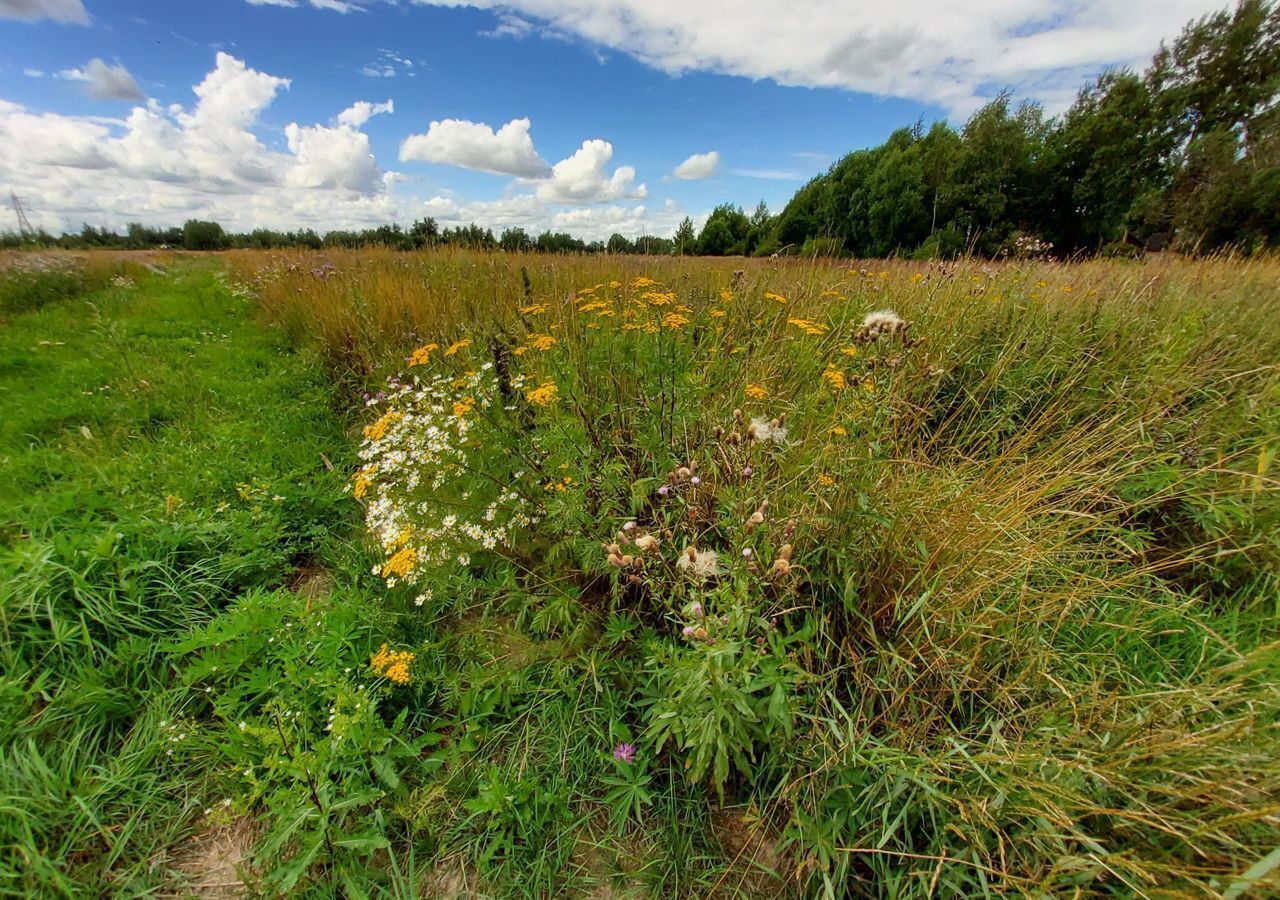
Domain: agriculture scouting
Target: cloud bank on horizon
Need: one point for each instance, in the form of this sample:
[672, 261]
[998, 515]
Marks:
[222, 157]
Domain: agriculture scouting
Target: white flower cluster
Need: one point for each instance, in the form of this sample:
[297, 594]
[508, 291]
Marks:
[430, 499]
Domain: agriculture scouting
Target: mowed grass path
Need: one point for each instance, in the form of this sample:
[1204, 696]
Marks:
[161, 453]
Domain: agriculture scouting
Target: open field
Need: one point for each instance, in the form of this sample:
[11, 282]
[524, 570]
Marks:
[480, 574]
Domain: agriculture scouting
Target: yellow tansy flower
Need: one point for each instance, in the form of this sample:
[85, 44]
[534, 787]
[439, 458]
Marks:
[422, 355]
[378, 430]
[543, 395]
[401, 563]
[464, 406]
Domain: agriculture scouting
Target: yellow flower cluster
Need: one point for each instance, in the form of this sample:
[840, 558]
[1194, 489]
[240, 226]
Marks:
[422, 355]
[659, 298]
[378, 429]
[543, 395]
[776, 298]
[391, 664]
[642, 282]
[808, 326]
[675, 320]
[540, 341]
[401, 564]
[834, 377]
[535, 309]
[464, 406]
[457, 345]
[361, 482]
[757, 391]
[561, 486]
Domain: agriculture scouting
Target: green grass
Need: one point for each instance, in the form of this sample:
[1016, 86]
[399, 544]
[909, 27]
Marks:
[129, 416]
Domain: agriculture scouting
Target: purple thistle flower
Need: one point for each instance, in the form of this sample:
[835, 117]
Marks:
[625, 752]
[695, 480]
[746, 473]
[664, 490]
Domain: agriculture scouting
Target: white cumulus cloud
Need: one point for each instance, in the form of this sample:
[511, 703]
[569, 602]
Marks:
[68, 11]
[218, 157]
[475, 145]
[162, 165]
[105, 81]
[362, 111]
[581, 178]
[698, 166]
[954, 55]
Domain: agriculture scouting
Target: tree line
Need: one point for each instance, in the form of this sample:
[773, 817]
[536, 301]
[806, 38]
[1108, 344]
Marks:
[1185, 154]
[198, 234]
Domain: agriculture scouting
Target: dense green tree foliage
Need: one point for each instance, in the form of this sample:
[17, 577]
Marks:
[1188, 151]
[197, 235]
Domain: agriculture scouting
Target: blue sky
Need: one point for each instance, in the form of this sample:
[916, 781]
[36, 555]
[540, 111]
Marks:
[602, 100]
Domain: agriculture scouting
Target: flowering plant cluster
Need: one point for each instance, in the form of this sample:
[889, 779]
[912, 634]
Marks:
[587, 451]
[435, 482]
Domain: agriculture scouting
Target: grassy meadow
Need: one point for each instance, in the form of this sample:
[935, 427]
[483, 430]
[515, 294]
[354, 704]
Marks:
[466, 574]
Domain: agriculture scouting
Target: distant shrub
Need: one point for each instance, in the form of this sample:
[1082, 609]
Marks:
[198, 235]
[946, 243]
[823, 248]
[1121, 250]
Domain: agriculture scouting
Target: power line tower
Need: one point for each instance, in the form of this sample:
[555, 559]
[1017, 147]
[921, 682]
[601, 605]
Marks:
[24, 224]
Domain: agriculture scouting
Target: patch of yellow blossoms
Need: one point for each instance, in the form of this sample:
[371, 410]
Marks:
[392, 664]
[543, 395]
